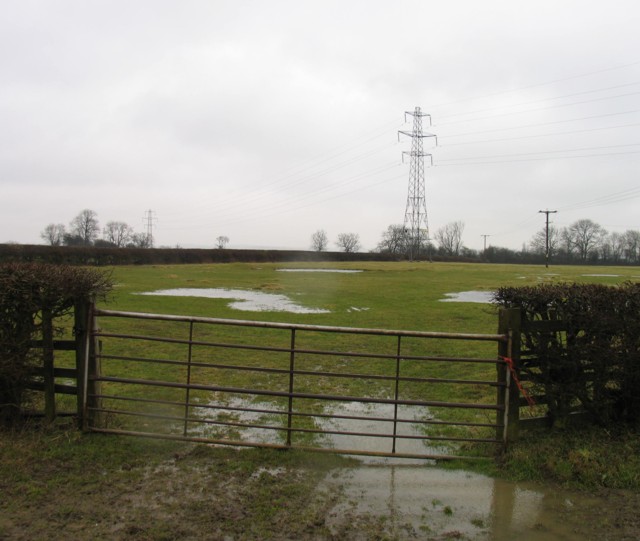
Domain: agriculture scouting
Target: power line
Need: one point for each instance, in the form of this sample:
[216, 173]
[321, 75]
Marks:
[539, 109]
[543, 152]
[572, 132]
[545, 123]
[486, 109]
[571, 77]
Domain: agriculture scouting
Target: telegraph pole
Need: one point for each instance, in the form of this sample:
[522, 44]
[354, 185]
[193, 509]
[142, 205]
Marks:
[546, 236]
[416, 225]
[485, 241]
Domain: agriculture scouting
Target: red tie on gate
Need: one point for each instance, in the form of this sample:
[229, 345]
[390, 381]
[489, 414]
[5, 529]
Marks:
[515, 377]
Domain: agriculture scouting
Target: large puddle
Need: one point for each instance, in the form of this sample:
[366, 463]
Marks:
[339, 422]
[245, 300]
[339, 271]
[425, 502]
[469, 296]
[413, 499]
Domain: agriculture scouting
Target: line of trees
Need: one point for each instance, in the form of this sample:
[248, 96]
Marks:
[84, 230]
[584, 241]
[587, 242]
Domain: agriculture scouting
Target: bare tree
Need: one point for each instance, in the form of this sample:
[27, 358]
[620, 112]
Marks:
[539, 241]
[53, 234]
[139, 240]
[449, 238]
[85, 226]
[222, 241]
[117, 233]
[319, 241]
[348, 242]
[632, 246]
[612, 247]
[583, 237]
[395, 240]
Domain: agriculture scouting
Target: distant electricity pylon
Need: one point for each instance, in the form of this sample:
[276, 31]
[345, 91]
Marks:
[149, 219]
[416, 225]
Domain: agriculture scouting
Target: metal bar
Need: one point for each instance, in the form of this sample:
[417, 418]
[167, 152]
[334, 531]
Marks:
[315, 328]
[395, 396]
[285, 350]
[240, 443]
[300, 413]
[188, 391]
[305, 351]
[306, 372]
[262, 392]
[291, 378]
[304, 430]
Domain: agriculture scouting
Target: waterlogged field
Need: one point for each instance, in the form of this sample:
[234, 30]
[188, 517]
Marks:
[441, 297]
[383, 295]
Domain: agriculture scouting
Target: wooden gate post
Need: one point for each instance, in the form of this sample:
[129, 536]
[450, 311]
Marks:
[87, 364]
[48, 366]
[509, 321]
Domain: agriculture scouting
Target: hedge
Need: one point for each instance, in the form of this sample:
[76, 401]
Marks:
[594, 362]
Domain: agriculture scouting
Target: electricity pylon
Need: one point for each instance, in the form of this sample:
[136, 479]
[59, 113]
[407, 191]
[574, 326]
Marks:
[416, 225]
[149, 219]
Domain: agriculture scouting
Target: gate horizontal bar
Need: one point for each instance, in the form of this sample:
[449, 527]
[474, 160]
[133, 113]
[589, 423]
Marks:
[235, 443]
[262, 392]
[222, 407]
[298, 326]
[304, 372]
[293, 429]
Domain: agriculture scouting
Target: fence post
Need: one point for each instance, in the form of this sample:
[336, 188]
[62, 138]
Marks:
[87, 362]
[80, 331]
[508, 395]
[48, 366]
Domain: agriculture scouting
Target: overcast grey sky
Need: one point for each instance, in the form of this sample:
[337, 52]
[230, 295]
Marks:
[266, 121]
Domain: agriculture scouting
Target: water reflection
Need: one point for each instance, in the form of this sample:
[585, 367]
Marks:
[429, 503]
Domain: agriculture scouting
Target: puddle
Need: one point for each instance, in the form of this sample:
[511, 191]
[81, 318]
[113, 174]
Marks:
[235, 410]
[469, 296]
[341, 271]
[245, 300]
[375, 420]
[425, 502]
[413, 499]
[365, 422]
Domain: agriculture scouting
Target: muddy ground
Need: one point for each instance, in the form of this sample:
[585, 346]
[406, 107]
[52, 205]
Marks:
[103, 490]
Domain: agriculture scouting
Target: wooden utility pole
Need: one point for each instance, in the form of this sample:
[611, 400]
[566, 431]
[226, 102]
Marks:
[546, 251]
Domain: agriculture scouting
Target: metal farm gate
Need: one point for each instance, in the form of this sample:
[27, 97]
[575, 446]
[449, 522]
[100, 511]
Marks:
[267, 384]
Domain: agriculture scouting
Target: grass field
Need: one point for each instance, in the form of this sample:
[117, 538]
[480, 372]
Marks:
[58, 482]
[405, 296]
[388, 295]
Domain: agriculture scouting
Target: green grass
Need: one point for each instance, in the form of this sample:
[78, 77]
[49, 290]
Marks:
[389, 296]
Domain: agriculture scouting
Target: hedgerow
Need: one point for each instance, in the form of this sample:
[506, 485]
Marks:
[593, 363]
[32, 295]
